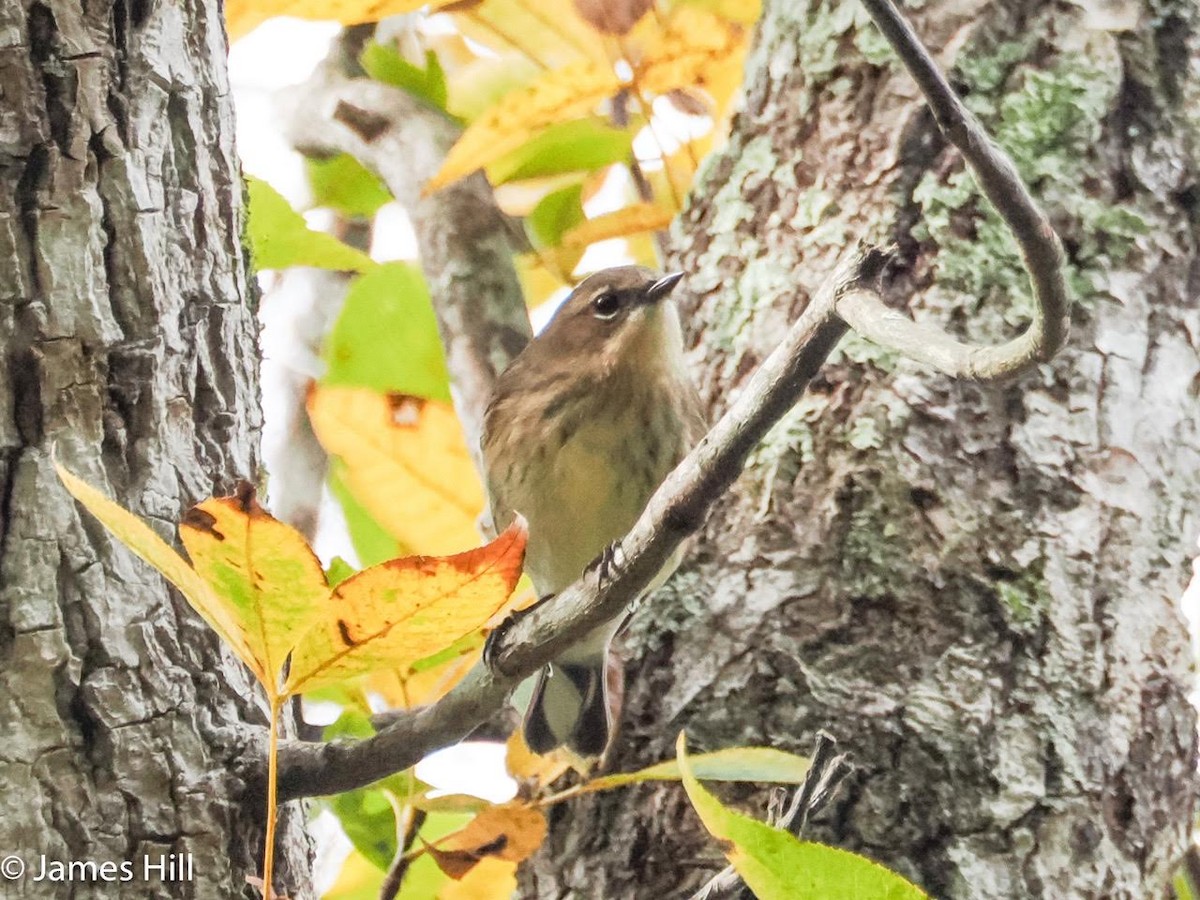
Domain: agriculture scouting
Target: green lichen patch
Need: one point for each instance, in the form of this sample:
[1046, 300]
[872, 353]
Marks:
[820, 38]
[1025, 597]
[1050, 121]
[858, 349]
[787, 447]
[864, 434]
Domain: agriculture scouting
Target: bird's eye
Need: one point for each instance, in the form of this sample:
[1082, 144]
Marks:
[606, 306]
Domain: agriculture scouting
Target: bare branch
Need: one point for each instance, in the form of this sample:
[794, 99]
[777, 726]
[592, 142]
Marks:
[998, 178]
[463, 238]
[674, 512]
[296, 314]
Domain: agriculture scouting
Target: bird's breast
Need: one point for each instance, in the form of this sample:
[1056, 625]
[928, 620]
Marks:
[585, 483]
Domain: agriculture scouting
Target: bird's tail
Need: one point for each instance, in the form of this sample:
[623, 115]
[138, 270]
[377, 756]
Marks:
[570, 706]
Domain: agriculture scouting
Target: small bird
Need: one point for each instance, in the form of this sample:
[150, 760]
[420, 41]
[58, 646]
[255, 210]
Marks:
[582, 428]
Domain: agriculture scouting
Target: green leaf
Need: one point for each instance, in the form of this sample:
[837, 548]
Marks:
[279, 237]
[352, 723]
[369, 820]
[461, 647]
[556, 213]
[368, 816]
[386, 337]
[583, 145]
[778, 866]
[1183, 885]
[345, 695]
[764, 764]
[339, 570]
[343, 183]
[385, 64]
[371, 541]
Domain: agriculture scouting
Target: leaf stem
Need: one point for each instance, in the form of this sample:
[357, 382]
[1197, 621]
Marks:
[277, 702]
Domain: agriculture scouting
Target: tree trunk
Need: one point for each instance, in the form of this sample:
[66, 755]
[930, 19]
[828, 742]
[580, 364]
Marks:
[128, 349]
[974, 589]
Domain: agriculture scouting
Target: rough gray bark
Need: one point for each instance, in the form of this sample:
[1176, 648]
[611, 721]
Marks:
[974, 589]
[128, 347]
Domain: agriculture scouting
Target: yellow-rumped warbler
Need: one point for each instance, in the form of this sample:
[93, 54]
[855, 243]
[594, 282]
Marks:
[583, 427]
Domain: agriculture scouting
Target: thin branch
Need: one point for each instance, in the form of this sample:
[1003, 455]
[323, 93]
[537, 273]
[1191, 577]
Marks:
[674, 512]
[1000, 183]
[463, 238]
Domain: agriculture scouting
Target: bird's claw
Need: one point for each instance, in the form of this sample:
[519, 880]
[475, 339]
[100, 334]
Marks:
[606, 565]
[491, 644]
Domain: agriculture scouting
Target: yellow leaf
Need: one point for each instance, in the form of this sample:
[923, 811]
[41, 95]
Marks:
[406, 462]
[429, 681]
[525, 765]
[555, 96]
[480, 83]
[744, 11]
[635, 219]
[404, 610]
[696, 49]
[261, 567]
[406, 690]
[358, 878]
[550, 33]
[674, 178]
[490, 879]
[142, 540]
[643, 250]
[541, 277]
[508, 831]
[241, 16]
[692, 51]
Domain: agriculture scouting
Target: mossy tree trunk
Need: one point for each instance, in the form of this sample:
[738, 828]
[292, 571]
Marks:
[975, 589]
[127, 345]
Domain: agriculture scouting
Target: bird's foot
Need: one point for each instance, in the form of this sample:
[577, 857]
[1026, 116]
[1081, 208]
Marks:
[496, 636]
[605, 565]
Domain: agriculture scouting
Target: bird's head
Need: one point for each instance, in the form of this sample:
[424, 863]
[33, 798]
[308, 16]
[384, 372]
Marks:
[618, 317]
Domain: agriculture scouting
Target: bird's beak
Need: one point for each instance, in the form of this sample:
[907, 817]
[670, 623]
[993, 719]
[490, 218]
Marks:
[663, 287]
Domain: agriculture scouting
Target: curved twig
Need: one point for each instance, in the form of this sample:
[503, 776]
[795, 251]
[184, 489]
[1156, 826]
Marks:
[1000, 183]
